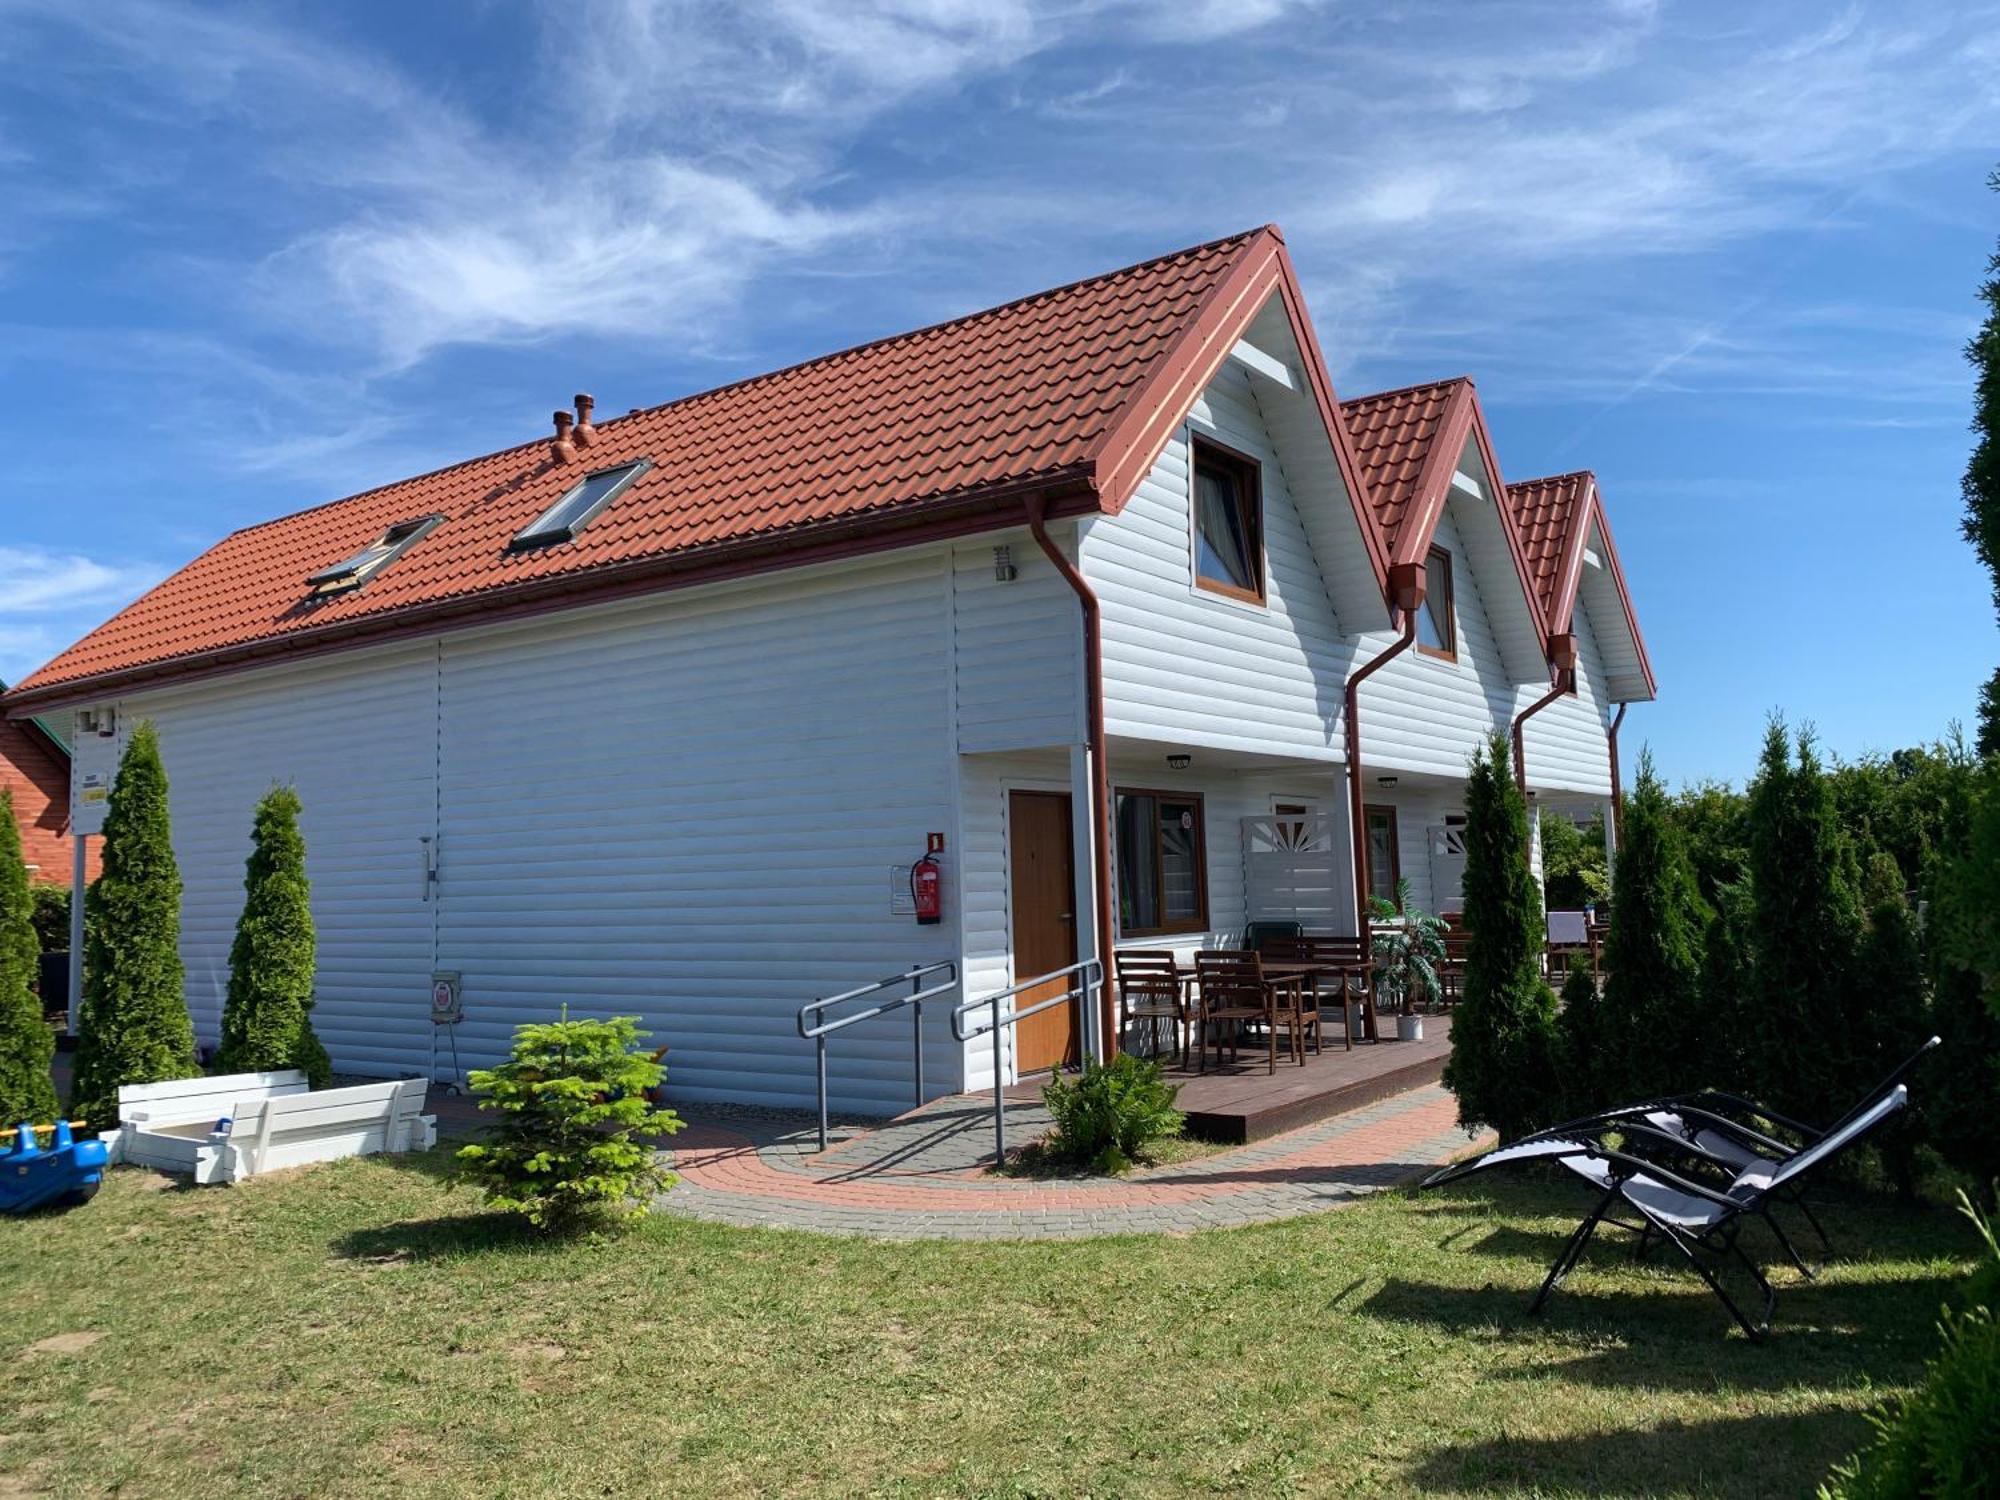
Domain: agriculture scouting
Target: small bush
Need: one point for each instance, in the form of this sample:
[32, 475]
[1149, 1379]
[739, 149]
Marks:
[51, 917]
[26, 1043]
[1106, 1117]
[1944, 1439]
[570, 1099]
[267, 1016]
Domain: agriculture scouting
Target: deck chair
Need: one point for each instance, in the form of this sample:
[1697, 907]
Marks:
[1730, 1129]
[1695, 1205]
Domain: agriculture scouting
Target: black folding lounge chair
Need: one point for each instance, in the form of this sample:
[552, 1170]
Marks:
[1696, 1205]
[1730, 1129]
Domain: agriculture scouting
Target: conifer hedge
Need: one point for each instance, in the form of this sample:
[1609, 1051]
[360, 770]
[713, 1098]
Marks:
[135, 1026]
[1504, 1046]
[26, 1042]
[1801, 1056]
[1660, 1035]
[267, 1017]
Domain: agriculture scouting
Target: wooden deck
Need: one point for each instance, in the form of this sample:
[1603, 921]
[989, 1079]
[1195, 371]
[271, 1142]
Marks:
[1242, 1102]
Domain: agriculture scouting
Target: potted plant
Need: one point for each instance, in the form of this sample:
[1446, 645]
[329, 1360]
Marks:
[1407, 944]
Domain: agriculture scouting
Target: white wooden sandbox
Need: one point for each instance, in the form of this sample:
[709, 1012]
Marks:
[275, 1120]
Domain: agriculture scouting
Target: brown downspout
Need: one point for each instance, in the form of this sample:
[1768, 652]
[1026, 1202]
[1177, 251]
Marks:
[1100, 771]
[1562, 677]
[1617, 787]
[1406, 596]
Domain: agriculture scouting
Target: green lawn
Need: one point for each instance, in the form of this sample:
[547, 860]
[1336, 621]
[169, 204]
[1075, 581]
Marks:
[354, 1330]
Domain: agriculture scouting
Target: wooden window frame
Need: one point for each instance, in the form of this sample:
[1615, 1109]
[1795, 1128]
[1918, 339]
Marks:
[1199, 922]
[1395, 847]
[1447, 616]
[1249, 473]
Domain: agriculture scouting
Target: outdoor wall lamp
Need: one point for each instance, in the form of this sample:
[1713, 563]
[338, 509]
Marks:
[1385, 781]
[1179, 762]
[1004, 570]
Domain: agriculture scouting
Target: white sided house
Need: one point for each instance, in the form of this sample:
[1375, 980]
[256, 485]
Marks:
[656, 718]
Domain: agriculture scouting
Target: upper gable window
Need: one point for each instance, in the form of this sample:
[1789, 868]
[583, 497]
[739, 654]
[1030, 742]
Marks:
[569, 515]
[356, 570]
[1228, 523]
[1437, 621]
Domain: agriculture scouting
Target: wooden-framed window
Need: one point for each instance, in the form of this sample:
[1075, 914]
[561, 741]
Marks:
[1228, 523]
[1162, 862]
[1385, 860]
[1437, 621]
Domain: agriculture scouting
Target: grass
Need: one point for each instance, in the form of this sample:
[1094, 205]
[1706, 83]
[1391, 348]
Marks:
[353, 1329]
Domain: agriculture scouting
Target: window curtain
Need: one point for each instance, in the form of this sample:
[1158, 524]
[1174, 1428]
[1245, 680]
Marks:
[1225, 546]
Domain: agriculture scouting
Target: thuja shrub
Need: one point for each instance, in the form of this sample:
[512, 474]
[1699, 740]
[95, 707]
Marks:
[1944, 1438]
[1107, 1116]
[571, 1098]
[267, 1016]
[1504, 1044]
[26, 1043]
[135, 1026]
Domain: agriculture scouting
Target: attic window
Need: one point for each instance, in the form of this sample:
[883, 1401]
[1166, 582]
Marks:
[357, 569]
[1228, 524]
[569, 515]
[1437, 622]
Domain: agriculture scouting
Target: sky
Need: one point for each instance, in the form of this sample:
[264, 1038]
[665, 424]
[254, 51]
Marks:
[257, 257]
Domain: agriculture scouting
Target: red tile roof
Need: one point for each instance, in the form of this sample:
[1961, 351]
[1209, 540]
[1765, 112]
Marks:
[1393, 433]
[1546, 511]
[1029, 395]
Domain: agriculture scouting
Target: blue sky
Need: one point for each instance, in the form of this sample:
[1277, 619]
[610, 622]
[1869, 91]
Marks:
[257, 257]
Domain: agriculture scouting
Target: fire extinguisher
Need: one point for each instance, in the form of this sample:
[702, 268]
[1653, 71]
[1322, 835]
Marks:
[927, 884]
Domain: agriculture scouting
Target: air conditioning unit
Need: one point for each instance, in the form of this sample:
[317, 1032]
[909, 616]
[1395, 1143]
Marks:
[98, 721]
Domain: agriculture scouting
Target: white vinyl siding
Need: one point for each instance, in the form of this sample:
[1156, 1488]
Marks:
[1017, 658]
[684, 808]
[1565, 745]
[357, 736]
[1425, 714]
[1186, 666]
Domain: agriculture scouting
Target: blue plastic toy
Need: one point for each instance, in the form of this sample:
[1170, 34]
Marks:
[68, 1172]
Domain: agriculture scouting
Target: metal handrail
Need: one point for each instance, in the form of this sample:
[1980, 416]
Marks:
[914, 978]
[1092, 980]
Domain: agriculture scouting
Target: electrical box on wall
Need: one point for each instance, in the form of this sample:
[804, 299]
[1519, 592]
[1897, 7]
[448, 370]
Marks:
[100, 740]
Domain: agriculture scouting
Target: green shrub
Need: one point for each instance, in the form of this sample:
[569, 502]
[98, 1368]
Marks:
[1588, 1052]
[267, 1017]
[1573, 864]
[51, 917]
[570, 1099]
[1503, 1063]
[1806, 933]
[1943, 1440]
[135, 1026]
[1106, 1117]
[26, 1043]
[1657, 1027]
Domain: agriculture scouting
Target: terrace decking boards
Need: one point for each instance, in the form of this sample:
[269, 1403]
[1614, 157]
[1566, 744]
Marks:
[1242, 1102]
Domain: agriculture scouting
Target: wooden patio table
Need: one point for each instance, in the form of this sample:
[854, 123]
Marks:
[1307, 971]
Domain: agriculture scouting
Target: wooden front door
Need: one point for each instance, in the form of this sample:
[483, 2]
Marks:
[1042, 882]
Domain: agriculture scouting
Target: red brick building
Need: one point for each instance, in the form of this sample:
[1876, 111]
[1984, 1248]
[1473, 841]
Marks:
[36, 770]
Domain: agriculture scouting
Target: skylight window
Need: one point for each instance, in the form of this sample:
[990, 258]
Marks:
[569, 515]
[357, 569]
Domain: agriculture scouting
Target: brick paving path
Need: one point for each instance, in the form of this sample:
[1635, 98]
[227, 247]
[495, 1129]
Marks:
[921, 1177]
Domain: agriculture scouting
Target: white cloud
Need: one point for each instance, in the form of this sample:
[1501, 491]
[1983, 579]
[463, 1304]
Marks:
[34, 580]
[49, 598]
